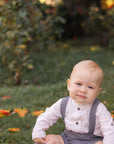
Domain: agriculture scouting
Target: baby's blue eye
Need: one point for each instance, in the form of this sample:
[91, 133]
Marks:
[90, 87]
[79, 84]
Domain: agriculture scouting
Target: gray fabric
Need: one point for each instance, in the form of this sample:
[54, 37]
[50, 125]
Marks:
[70, 137]
[63, 106]
[92, 116]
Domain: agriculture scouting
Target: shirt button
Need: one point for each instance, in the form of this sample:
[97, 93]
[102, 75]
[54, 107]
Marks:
[77, 123]
[78, 108]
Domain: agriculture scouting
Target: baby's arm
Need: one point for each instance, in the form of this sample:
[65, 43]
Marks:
[40, 140]
[46, 119]
[106, 124]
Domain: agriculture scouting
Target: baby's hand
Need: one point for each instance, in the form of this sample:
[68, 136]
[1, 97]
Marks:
[40, 140]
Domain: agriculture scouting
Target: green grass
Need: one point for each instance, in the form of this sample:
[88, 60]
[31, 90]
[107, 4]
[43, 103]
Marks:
[32, 98]
[55, 64]
[47, 83]
[35, 98]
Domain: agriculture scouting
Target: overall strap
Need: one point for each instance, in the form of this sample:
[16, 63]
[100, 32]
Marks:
[63, 106]
[92, 116]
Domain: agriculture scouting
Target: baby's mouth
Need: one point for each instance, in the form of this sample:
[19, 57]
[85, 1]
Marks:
[81, 96]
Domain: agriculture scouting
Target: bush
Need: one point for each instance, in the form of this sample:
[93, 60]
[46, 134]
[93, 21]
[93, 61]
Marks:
[100, 23]
[22, 23]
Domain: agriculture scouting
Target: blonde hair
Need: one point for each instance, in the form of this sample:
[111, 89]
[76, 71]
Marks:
[92, 67]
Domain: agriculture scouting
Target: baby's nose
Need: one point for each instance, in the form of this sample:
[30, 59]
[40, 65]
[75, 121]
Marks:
[83, 89]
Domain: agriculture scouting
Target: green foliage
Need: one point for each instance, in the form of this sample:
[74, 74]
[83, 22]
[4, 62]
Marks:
[23, 23]
[55, 63]
[101, 23]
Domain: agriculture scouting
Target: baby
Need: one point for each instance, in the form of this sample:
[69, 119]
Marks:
[87, 121]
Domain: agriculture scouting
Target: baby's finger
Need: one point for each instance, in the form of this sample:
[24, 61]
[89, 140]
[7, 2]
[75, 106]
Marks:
[45, 139]
[39, 141]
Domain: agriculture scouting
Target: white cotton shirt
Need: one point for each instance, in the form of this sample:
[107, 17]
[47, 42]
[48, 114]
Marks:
[77, 120]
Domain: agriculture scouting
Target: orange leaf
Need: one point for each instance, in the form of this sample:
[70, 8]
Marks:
[37, 113]
[14, 129]
[21, 112]
[112, 115]
[4, 112]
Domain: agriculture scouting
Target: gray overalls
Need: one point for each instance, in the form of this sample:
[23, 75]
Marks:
[71, 137]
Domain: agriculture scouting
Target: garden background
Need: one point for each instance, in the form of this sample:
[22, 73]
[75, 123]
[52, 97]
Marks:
[40, 42]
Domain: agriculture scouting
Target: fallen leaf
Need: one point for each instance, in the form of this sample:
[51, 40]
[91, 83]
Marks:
[2, 2]
[4, 112]
[105, 103]
[30, 66]
[6, 97]
[37, 113]
[112, 115]
[14, 129]
[27, 126]
[95, 48]
[21, 112]
[22, 46]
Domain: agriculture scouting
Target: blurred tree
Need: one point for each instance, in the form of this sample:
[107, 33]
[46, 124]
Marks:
[21, 24]
[73, 5]
[77, 11]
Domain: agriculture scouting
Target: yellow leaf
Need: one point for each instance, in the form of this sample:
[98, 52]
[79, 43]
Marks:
[106, 103]
[109, 3]
[113, 62]
[30, 66]
[22, 46]
[63, 63]
[1, 115]
[95, 48]
[42, 1]
[2, 2]
[66, 46]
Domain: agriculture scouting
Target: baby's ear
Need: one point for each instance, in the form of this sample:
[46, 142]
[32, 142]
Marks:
[68, 84]
[100, 89]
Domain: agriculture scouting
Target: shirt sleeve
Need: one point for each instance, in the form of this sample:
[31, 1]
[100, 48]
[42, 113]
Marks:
[46, 119]
[106, 124]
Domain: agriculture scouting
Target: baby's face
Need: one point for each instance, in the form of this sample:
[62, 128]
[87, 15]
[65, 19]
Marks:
[83, 86]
